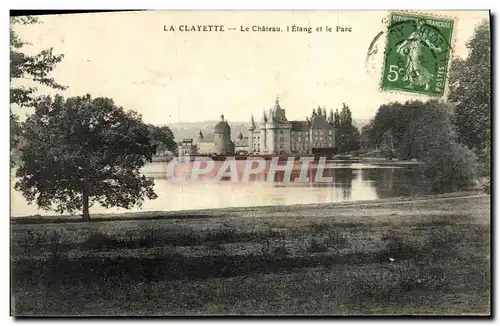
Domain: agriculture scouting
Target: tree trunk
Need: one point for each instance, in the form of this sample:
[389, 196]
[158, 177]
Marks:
[86, 214]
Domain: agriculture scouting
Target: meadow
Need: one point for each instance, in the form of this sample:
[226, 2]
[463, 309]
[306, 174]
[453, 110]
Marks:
[428, 255]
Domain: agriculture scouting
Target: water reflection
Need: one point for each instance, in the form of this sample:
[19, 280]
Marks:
[348, 183]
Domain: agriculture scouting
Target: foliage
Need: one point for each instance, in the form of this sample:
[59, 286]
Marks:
[397, 118]
[162, 138]
[470, 92]
[29, 67]
[82, 150]
[36, 68]
[366, 138]
[387, 146]
[331, 117]
[348, 135]
[424, 131]
[15, 135]
[452, 166]
[449, 164]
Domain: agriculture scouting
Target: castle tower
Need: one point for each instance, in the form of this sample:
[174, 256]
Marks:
[251, 129]
[222, 137]
[271, 136]
[280, 127]
[263, 134]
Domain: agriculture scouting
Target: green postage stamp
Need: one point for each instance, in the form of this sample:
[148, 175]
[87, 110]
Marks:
[417, 55]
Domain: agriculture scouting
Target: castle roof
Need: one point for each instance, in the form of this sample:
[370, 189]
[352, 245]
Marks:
[251, 127]
[208, 138]
[299, 126]
[241, 142]
[264, 117]
[222, 127]
[319, 122]
[277, 113]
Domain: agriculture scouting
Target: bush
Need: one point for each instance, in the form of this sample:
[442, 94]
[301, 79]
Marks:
[450, 167]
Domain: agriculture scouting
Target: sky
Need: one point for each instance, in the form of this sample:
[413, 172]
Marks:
[173, 77]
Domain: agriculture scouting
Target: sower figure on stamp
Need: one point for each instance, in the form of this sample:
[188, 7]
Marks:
[411, 49]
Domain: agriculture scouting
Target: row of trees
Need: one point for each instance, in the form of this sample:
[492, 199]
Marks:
[452, 137]
[347, 136]
[77, 151]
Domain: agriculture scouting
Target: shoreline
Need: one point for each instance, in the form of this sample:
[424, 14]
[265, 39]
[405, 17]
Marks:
[215, 212]
[345, 159]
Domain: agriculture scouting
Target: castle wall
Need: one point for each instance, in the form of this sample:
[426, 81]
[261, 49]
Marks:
[250, 142]
[219, 143]
[263, 140]
[206, 148]
[271, 139]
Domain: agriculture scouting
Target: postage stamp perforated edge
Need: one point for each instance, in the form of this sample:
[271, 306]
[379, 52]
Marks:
[450, 56]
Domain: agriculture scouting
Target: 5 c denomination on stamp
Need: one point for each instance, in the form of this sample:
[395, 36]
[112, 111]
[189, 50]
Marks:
[417, 54]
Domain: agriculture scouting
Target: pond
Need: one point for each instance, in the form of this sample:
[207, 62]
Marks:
[349, 182]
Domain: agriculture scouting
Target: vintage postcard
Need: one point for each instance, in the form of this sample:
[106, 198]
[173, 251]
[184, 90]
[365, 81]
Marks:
[251, 163]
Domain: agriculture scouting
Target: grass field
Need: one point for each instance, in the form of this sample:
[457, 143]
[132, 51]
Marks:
[427, 256]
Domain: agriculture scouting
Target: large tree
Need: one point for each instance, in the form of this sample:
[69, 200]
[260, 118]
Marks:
[82, 150]
[331, 118]
[424, 131]
[470, 92]
[397, 118]
[348, 136]
[449, 165]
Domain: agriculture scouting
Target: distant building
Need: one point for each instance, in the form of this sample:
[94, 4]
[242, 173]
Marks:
[187, 147]
[222, 138]
[276, 135]
[218, 143]
[205, 144]
[241, 145]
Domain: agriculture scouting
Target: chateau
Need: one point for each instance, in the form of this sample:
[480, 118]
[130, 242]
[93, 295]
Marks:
[273, 135]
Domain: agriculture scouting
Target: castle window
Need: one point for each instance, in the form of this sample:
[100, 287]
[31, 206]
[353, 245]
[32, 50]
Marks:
[281, 132]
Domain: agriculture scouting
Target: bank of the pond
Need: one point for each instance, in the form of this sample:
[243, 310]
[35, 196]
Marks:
[414, 201]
